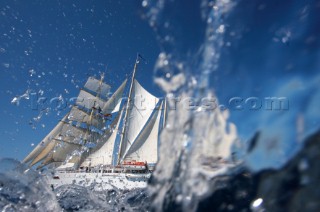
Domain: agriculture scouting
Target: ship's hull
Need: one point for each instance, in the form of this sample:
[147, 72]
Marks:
[100, 181]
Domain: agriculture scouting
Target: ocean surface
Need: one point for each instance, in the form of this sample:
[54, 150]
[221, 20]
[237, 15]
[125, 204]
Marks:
[241, 54]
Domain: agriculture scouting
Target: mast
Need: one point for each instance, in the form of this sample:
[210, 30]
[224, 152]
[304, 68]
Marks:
[72, 136]
[127, 107]
[81, 158]
[97, 96]
[92, 109]
[164, 113]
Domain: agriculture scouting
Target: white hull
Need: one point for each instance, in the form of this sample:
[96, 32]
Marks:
[101, 181]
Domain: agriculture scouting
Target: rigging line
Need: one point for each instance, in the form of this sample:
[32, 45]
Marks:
[94, 94]
[68, 142]
[137, 109]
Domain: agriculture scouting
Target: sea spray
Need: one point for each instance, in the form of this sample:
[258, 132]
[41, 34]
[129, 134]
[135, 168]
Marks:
[196, 143]
[22, 189]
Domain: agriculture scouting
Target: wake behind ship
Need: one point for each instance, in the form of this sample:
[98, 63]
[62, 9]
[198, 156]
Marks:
[105, 142]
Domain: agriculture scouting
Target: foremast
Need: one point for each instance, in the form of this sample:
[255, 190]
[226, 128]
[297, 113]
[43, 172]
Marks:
[90, 123]
[93, 109]
[75, 129]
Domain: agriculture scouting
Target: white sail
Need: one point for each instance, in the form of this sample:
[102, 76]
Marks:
[117, 108]
[113, 104]
[139, 112]
[97, 87]
[89, 101]
[44, 153]
[62, 150]
[72, 134]
[81, 116]
[145, 147]
[65, 138]
[103, 153]
[67, 133]
[44, 143]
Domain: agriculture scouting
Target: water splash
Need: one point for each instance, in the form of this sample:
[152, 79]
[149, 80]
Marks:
[72, 197]
[198, 142]
[256, 63]
[16, 100]
[22, 189]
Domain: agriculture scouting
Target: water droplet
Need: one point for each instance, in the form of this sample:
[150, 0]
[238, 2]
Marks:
[303, 165]
[144, 3]
[221, 29]
[257, 203]
[32, 72]
[15, 101]
[22, 196]
[179, 198]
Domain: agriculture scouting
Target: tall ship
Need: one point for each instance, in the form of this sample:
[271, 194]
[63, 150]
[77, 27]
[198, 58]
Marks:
[109, 142]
